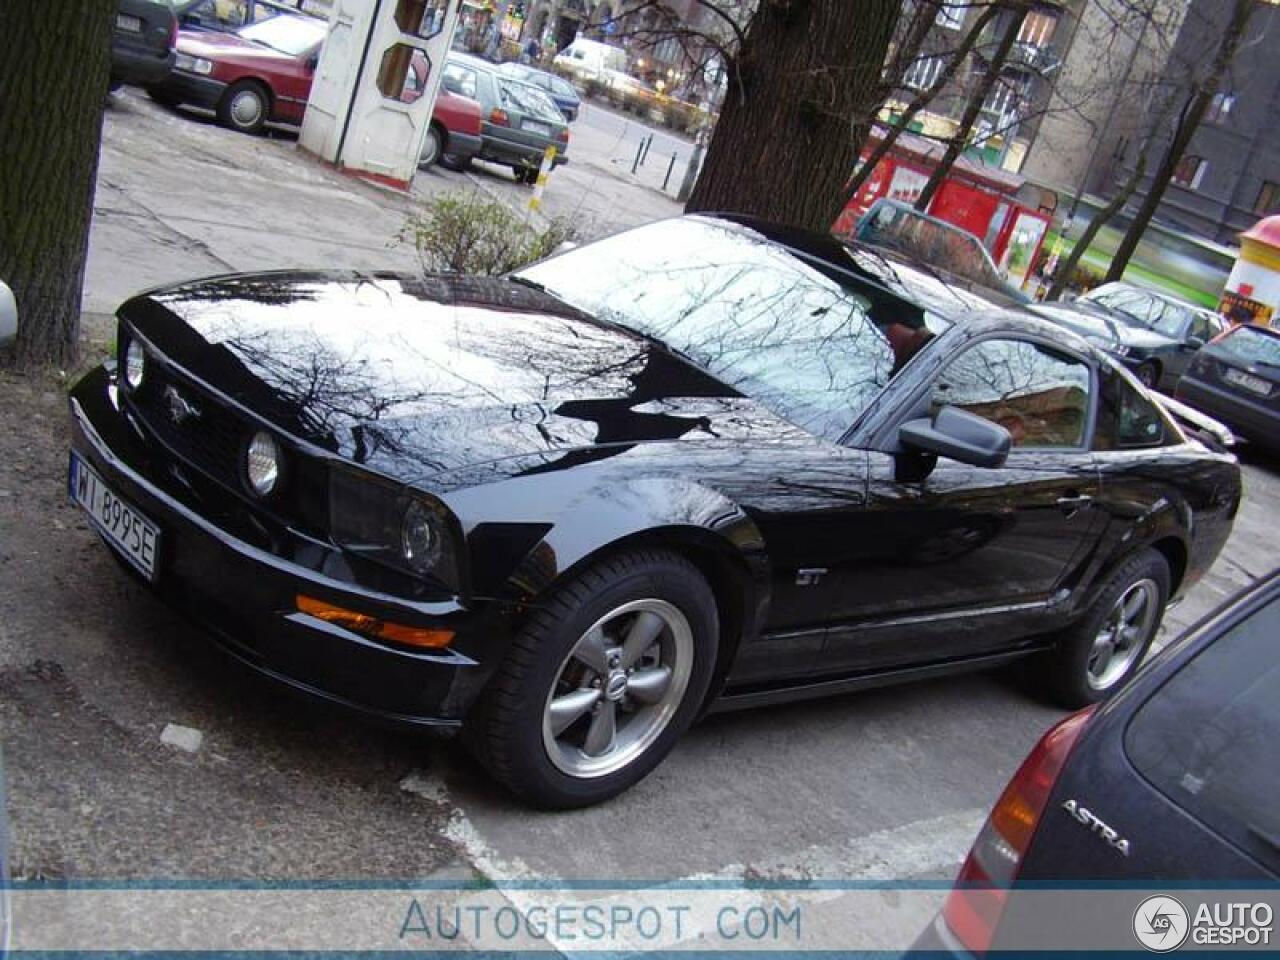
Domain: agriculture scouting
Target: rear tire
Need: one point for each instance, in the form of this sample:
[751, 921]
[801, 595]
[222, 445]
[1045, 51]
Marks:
[601, 681]
[245, 107]
[163, 97]
[432, 148]
[1097, 655]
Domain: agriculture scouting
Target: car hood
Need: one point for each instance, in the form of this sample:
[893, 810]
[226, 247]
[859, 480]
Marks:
[214, 45]
[418, 376]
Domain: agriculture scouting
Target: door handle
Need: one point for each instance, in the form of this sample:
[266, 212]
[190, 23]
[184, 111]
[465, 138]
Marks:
[1073, 502]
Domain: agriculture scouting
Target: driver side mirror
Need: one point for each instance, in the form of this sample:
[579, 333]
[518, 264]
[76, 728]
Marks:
[959, 435]
[1193, 343]
[451, 84]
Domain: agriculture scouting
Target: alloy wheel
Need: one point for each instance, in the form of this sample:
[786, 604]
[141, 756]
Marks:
[1123, 634]
[618, 688]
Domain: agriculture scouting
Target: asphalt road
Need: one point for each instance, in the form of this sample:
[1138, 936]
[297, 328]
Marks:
[883, 785]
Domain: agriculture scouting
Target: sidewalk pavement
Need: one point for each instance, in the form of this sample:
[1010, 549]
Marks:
[180, 197]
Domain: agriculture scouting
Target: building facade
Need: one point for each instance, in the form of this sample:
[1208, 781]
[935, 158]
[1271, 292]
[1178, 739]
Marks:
[1230, 174]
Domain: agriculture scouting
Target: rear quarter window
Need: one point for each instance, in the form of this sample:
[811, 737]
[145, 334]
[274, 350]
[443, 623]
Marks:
[1209, 738]
[1127, 420]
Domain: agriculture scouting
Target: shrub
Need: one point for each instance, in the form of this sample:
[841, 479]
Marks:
[471, 233]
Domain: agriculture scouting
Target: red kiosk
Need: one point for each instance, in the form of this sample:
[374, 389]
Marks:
[1008, 214]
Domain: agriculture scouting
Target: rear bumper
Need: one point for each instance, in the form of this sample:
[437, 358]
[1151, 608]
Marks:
[464, 146]
[245, 595]
[513, 153]
[192, 88]
[140, 67]
[1252, 420]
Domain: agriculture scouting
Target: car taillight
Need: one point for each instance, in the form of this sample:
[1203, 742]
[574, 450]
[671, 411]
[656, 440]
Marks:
[973, 908]
[173, 33]
[499, 117]
[563, 136]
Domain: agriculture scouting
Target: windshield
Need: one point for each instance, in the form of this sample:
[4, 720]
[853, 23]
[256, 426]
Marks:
[293, 36]
[929, 241]
[1137, 308]
[1252, 345]
[812, 344]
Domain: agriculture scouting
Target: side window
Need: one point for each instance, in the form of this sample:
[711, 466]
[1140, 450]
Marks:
[1200, 328]
[1039, 395]
[1207, 738]
[465, 78]
[1127, 420]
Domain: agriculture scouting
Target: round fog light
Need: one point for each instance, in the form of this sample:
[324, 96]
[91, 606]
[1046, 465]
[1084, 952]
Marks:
[135, 364]
[262, 465]
[418, 536]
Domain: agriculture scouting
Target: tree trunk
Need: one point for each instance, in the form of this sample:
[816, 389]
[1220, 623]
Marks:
[960, 139]
[918, 103]
[1114, 206]
[1193, 112]
[802, 91]
[54, 69]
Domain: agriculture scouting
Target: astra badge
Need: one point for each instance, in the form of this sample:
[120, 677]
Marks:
[1097, 827]
[180, 409]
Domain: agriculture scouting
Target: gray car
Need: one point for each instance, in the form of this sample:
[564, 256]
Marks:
[520, 121]
[1153, 335]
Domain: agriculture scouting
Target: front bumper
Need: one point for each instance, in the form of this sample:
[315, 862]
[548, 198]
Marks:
[192, 88]
[246, 595]
[464, 146]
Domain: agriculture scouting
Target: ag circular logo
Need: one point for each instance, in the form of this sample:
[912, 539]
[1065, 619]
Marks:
[1161, 923]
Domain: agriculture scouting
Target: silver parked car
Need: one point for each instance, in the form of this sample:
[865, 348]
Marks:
[519, 121]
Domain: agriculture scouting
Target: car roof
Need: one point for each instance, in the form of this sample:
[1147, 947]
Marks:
[985, 316]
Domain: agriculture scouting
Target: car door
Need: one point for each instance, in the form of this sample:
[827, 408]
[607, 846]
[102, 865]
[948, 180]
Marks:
[968, 560]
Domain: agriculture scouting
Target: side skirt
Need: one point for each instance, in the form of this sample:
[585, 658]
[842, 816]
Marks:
[866, 681]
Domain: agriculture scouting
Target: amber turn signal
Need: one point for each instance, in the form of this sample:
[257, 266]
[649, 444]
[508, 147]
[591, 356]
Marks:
[372, 626]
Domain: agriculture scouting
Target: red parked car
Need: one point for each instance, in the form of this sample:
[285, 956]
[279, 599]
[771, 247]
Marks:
[264, 71]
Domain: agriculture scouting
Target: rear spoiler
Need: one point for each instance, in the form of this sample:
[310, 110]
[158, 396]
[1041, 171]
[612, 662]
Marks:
[1210, 432]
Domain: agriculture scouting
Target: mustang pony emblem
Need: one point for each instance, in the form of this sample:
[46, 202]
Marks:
[180, 409]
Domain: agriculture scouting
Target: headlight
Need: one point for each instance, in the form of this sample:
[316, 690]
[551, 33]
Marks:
[1109, 346]
[190, 64]
[262, 463]
[1119, 349]
[135, 364]
[378, 519]
[419, 537]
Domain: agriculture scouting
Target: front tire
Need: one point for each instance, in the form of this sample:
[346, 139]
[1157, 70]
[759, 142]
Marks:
[601, 682]
[1097, 655]
[245, 107]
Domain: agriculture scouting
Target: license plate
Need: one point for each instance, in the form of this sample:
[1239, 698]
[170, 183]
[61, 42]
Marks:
[541, 129]
[126, 22]
[136, 537]
[1248, 381]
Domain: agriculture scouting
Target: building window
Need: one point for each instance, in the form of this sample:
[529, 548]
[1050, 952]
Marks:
[1220, 108]
[950, 15]
[1268, 201]
[1037, 28]
[1190, 171]
[923, 73]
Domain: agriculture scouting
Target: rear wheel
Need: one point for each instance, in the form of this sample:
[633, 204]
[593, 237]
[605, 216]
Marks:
[245, 107]
[601, 682]
[432, 148]
[1096, 656]
[1148, 375]
[163, 97]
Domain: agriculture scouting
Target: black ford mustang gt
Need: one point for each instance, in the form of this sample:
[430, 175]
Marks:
[705, 463]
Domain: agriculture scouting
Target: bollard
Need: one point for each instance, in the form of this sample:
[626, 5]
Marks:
[548, 161]
[670, 166]
[647, 144]
[639, 150]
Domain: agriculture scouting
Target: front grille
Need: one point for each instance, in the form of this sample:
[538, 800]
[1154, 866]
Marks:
[201, 431]
[195, 427]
